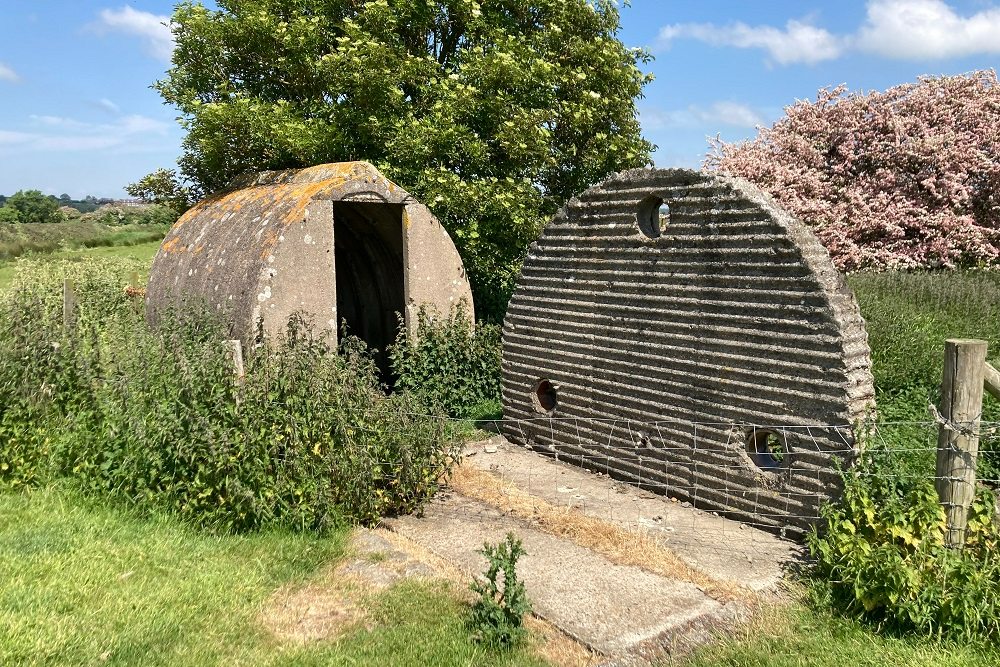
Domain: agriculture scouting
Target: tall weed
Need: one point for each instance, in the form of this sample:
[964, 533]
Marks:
[158, 419]
[450, 365]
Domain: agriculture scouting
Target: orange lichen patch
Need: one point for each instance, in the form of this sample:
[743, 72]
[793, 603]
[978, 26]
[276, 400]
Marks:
[302, 195]
[341, 171]
[171, 246]
[270, 241]
[280, 198]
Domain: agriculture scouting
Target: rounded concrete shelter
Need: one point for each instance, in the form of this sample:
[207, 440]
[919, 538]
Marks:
[337, 242]
[679, 331]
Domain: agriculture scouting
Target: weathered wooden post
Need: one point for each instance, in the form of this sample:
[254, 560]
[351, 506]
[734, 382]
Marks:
[992, 382]
[236, 350]
[69, 306]
[958, 438]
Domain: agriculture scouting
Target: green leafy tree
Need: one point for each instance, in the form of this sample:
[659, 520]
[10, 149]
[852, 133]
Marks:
[8, 214]
[492, 113]
[33, 206]
[163, 187]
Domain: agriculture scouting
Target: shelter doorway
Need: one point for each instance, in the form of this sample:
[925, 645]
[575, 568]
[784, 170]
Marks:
[368, 255]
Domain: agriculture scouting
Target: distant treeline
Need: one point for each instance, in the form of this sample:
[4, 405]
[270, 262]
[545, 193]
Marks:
[86, 205]
[31, 206]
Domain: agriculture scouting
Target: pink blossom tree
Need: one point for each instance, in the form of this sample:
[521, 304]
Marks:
[903, 179]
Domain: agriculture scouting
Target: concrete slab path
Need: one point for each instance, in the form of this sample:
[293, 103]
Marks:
[628, 613]
[612, 609]
[723, 549]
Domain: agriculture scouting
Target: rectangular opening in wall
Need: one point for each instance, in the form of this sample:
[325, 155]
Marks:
[368, 248]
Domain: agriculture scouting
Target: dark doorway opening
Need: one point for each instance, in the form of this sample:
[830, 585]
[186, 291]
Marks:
[368, 248]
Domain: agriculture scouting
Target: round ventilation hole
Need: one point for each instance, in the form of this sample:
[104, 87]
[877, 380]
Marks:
[545, 397]
[767, 449]
[653, 216]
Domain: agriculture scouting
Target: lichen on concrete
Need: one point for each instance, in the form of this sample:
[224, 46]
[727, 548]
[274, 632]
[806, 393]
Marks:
[268, 248]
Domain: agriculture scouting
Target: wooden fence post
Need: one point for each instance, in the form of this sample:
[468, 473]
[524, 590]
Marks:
[69, 306]
[992, 382]
[236, 349]
[958, 438]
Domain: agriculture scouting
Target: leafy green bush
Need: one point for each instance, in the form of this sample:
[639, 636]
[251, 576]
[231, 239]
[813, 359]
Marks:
[158, 419]
[881, 556]
[498, 613]
[450, 365]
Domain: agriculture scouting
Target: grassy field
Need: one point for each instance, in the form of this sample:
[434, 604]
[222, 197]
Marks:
[142, 251]
[37, 238]
[87, 585]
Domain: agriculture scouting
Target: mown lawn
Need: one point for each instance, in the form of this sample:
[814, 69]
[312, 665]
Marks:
[84, 584]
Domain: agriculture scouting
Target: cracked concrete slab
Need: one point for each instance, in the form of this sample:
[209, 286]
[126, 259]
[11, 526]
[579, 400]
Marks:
[721, 548]
[613, 609]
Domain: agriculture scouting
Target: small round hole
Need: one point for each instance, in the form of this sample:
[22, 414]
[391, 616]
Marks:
[545, 397]
[767, 449]
[653, 216]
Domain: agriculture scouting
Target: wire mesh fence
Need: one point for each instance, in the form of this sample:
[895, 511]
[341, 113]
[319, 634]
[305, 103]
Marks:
[684, 485]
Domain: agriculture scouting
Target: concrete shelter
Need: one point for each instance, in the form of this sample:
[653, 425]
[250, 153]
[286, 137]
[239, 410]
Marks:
[337, 242]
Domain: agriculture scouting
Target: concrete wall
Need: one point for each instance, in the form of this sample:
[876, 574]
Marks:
[671, 356]
[264, 250]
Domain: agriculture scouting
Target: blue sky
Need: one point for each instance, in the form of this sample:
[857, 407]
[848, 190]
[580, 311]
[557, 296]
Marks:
[77, 114]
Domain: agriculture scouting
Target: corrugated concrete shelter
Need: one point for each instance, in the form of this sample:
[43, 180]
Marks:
[679, 331]
[337, 242]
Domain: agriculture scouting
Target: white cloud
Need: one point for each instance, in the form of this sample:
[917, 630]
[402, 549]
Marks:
[7, 73]
[731, 114]
[903, 29]
[926, 29]
[108, 105]
[799, 42]
[8, 138]
[58, 133]
[154, 29]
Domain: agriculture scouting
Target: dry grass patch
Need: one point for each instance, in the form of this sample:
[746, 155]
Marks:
[617, 544]
[311, 613]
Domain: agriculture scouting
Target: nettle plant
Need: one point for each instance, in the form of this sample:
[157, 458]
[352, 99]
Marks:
[902, 179]
[880, 556]
[158, 420]
[449, 364]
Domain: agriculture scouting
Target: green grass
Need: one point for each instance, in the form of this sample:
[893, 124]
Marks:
[796, 636]
[37, 238]
[910, 315]
[84, 584]
[141, 251]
